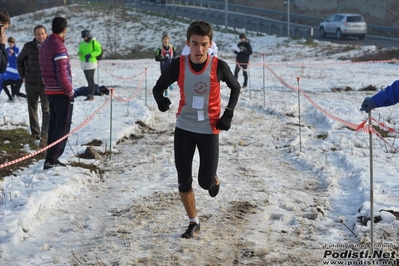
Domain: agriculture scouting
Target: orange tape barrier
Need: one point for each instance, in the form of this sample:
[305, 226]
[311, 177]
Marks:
[357, 127]
[85, 122]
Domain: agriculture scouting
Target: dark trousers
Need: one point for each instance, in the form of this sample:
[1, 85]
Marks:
[185, 143]
[244, 72]
[34, 93]
[89, 74]
[61, 108]
[15, 87]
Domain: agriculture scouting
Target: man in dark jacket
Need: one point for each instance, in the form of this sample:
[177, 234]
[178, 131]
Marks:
[242, 60]
[57, 78]
[29, 71]
[4, 23]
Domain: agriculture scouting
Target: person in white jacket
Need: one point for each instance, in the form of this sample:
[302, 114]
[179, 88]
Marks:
[213, 50]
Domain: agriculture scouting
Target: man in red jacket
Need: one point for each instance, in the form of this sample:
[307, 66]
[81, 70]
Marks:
[57, 78]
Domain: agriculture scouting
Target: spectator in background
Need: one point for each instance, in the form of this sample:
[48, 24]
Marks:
[213, 50]
[88, 51]
[5, 23]
[29, 71]
[387, 97]
[164, 55]
[57, 78]
[11, 77]
[242, 60]
[84, 91]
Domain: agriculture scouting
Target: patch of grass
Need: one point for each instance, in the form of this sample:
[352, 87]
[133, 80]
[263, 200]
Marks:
[384, 54]
[369, 88]
[95, 142]
[322, 136]
[347, 88]
[12, 147]
[310, 42]
[91, 167]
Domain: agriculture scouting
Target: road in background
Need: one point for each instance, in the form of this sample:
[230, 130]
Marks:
[240, 21]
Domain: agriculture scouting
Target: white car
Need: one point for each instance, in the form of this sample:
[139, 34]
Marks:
[342, 25]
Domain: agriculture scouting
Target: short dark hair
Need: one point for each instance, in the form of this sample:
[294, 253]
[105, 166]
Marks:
[201, 28]
[4, 17]
[58, 25]
[39, 27]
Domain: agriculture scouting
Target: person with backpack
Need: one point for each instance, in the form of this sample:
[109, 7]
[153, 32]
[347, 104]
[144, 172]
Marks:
[89, 51]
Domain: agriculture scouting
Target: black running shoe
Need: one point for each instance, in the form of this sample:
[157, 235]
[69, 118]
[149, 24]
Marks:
[192, 230]
[215, 190]
[48, 165]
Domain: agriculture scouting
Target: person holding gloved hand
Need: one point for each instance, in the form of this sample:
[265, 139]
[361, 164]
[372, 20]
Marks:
[198, 121]
[88, 51]
[164, 55]
[387, 97]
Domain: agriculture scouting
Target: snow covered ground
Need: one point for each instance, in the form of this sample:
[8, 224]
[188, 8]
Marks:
[290, 194]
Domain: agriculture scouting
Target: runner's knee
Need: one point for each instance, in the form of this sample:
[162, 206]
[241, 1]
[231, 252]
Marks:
[185, 186]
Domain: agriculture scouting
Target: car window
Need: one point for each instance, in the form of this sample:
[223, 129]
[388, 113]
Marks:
[331, 18]
[354, 19]
[338, 18]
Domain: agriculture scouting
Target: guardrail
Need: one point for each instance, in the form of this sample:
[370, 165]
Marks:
[304, 20]
[259, 19]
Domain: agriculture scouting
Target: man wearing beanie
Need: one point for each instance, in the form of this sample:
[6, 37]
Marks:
[242, 59]
[57, 78]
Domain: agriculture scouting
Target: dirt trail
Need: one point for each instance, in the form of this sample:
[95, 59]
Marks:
[267, 211]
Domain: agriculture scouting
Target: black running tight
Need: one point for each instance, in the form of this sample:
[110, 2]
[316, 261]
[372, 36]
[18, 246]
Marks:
[185, 143]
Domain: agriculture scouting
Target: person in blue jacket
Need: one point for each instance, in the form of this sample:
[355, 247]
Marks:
[11, 77]
[387, 97]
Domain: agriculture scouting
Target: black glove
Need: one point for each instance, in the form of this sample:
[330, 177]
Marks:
[368, 104]
[224, 122]
[163, 104]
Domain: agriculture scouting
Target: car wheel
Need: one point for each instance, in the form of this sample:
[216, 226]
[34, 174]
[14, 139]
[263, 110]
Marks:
[322, 32]
[362, 37]
[339, 34]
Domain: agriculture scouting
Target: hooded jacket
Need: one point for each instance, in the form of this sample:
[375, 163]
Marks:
[246, 51]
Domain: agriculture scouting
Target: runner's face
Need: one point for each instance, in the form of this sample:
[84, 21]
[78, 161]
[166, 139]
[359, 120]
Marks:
[165, 41]
[199, 46]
